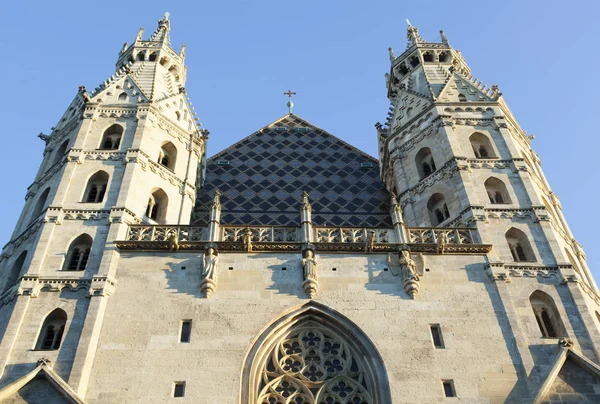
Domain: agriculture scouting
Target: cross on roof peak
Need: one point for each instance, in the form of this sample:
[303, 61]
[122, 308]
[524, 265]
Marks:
[290, 104]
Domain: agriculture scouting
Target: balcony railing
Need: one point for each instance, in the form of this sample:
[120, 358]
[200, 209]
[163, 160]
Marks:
[432, 235]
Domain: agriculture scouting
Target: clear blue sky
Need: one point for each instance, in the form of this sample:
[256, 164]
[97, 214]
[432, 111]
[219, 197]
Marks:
[243, 55]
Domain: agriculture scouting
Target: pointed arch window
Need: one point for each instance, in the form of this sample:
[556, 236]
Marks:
[78, 253]
[52, 330]
[157, 206]
[482, 146]
[111, 139]
[60, 152]
[438, 209]
[168, 155]
[519, 246]
[547, 315]
[309, 357]
[425, 163]
[96, 187]
[16, 269]
[496, 190]
[40, 204]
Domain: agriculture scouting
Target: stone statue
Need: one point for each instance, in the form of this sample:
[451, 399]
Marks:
[173, 241]
[140, 35]
[125, 45]
[309, 272]
[392, 54]
[248, 240]
[210, 262]
[84, 94]
[409, 267]
[441, 243]
[409, 273]
[370, 242]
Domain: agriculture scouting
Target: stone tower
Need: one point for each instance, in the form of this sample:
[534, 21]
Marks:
[126, 153]
[291, 267]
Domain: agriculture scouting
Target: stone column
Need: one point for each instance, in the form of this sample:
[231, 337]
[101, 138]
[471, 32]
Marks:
[305, 219]
[214, 219]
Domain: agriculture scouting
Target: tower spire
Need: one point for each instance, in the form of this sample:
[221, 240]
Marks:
[162, 31]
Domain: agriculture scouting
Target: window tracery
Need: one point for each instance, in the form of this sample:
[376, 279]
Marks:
[313, 366]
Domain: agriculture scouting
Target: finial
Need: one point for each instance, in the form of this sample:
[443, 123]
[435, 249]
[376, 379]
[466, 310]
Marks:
[444, 38]
[217, 199]
[305, 204]
[125, 46]
[412, 34]
[140, 34]
[182, 52]
[290, 104]
[392, 54]
[167, 15]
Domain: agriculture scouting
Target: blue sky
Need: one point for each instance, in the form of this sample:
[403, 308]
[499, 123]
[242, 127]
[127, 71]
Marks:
[242, 56]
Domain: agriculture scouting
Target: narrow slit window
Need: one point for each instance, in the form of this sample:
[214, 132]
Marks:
[179, 390]
[436, 335]
[449, 388]
[186, 331]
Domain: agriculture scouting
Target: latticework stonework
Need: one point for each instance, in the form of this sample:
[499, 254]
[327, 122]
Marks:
[312, 365]
[261, 179]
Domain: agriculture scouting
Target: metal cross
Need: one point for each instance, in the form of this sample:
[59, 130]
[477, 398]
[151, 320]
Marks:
[290, 104]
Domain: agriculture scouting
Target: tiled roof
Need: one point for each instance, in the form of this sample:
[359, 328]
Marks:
[266, 173]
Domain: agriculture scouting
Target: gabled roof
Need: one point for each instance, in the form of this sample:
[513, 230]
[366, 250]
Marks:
[42, 384]
[572, 374]
[269, 170]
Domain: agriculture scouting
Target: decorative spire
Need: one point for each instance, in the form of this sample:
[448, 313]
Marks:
[412, 34]
[216, 203]
[162, 32]
[444, 37]
[290, 104]
[305, 204]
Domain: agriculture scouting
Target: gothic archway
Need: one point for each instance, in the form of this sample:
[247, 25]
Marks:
[314, 355]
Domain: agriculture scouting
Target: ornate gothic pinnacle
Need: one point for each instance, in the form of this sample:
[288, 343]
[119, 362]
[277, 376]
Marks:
[305, 204]
[217, 200]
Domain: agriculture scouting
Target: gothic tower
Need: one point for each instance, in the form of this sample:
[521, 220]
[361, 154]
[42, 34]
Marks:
[126, 153]
[455, 156]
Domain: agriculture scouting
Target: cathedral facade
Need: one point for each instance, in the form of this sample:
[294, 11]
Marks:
[291, 267]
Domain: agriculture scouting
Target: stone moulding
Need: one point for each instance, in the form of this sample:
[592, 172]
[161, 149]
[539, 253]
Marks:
[268, 247]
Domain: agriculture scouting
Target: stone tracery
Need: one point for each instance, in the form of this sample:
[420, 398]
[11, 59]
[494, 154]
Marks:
[313, 366]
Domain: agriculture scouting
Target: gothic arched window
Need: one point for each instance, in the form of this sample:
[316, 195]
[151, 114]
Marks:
[482, 147]
[424, 162]
[168, 155]
[157, 205]
[111, 139]
[60, 152]
[519, 246]
[496, 190]
[52, 330]
[78, 253]
[96, 187]
[41, 203]
[438, 209]
[312, 356]
[546, 315]
[16, 268]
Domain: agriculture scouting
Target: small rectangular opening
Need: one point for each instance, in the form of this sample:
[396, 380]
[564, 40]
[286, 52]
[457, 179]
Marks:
[367, 165]
[186, 330]
[426, 269]
[385, 269]
[179, 390]
[231, 268]
[436, 335]
[223, 163]
[334, 269]
[184, 268]
[283, 268]
[449, 388]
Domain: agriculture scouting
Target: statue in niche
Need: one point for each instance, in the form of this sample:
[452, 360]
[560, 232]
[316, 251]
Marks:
[210, 262]
[409, 274]
[248, 240]
[309, 271]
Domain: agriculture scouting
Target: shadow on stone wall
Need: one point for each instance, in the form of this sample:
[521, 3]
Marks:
[185, 281]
